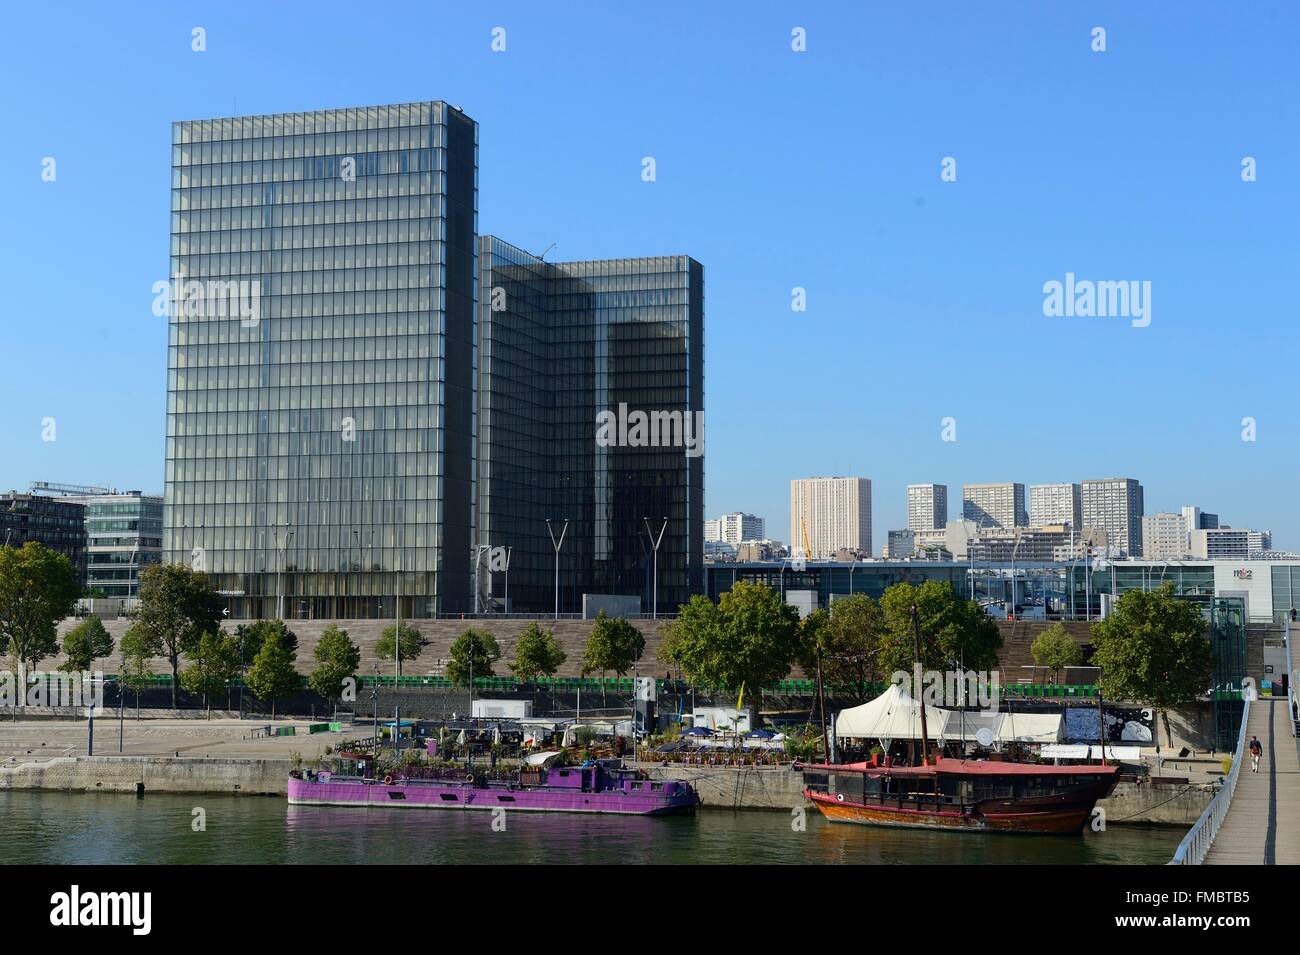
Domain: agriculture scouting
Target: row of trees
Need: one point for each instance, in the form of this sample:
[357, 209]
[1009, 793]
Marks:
[751, 637]
[1152, 649]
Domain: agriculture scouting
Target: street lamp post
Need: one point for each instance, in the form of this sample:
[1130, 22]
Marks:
[655, 541]
[279, 570]
[557, 545]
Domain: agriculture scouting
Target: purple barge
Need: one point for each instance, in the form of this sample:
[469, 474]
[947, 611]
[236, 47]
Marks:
[603, 787]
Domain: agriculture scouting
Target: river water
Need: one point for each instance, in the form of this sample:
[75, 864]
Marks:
[92, 828]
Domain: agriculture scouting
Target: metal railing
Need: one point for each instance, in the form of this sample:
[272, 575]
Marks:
[1196, 844]
[1290, 680]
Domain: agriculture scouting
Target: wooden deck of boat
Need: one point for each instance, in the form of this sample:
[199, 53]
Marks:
[1263, 823]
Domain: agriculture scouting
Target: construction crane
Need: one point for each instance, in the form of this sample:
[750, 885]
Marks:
[807, 548]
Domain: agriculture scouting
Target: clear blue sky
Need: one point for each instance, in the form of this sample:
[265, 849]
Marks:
[776, 169]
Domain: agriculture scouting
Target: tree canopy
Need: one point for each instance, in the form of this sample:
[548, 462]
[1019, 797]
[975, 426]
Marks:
[473, 653]
[84, 644]
[954, 631]
[1153, 649]
[387, 646]
[38, 588]
[214, 662]
[272, 675]
[337, 658]
[177, 607]
[250, 637]
[537, 654]
[1055, 649]
[614, 644]
[750, 638]
[849, 637]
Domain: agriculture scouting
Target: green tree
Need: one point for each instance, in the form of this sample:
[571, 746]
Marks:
[137, 650]
[850, 637]
[386, 647]
[85, 643]
[214, 663]
[749, 638]
[954, 631]
[473, 652]
[250, 637]
[38, 588]
[272, 675]
[537, 654]
[337, 658]
[1153, 649]
[614, 644]
[1055, 649]
[177, 607]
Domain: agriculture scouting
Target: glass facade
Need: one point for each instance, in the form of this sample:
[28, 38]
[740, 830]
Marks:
[54, 522]
[1058, 589]
[320, 435]
[560, 346]
[123, 535]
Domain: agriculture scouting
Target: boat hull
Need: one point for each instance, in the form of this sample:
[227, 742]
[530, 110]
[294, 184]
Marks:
[1063, 820]
[399, 795]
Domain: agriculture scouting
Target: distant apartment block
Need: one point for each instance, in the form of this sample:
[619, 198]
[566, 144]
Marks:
[712, 531]
[1115, 505]
[736, 527]
[1164, 537]
[927, 507]
[1021, 544]
[836, 511]
[994, 505]
[1229, 543]
[1056, 504]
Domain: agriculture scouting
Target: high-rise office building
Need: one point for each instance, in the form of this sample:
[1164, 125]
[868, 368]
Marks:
[927, 507]
[835, 512]
[320, 396]
[591, 377]
[994, 505]
[1055, 504]
[1115, 505]
[713, 531]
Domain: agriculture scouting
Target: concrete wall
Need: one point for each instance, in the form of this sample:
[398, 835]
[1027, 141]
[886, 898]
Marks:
[123, 774]
[1156, 804]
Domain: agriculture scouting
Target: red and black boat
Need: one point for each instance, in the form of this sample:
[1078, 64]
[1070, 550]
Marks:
[960, 794]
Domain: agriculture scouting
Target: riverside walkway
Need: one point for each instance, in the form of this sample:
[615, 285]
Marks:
[1262, 826]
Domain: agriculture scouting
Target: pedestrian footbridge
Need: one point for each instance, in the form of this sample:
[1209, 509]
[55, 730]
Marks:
[1255, 818]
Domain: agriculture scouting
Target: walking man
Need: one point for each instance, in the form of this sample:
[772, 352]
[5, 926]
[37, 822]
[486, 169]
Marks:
[1255, 752]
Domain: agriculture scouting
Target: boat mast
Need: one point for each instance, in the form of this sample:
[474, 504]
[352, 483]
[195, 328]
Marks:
[925, 736]
[1101, 725]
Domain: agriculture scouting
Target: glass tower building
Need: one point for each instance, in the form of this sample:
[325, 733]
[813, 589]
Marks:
[591, 385]
[321, 334]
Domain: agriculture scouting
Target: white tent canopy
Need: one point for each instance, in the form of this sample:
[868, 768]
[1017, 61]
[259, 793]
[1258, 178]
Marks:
[890, 716]
[895, 715]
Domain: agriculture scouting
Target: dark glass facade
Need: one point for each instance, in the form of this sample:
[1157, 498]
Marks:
[57, 524]
[325, 446]
[563, 347]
